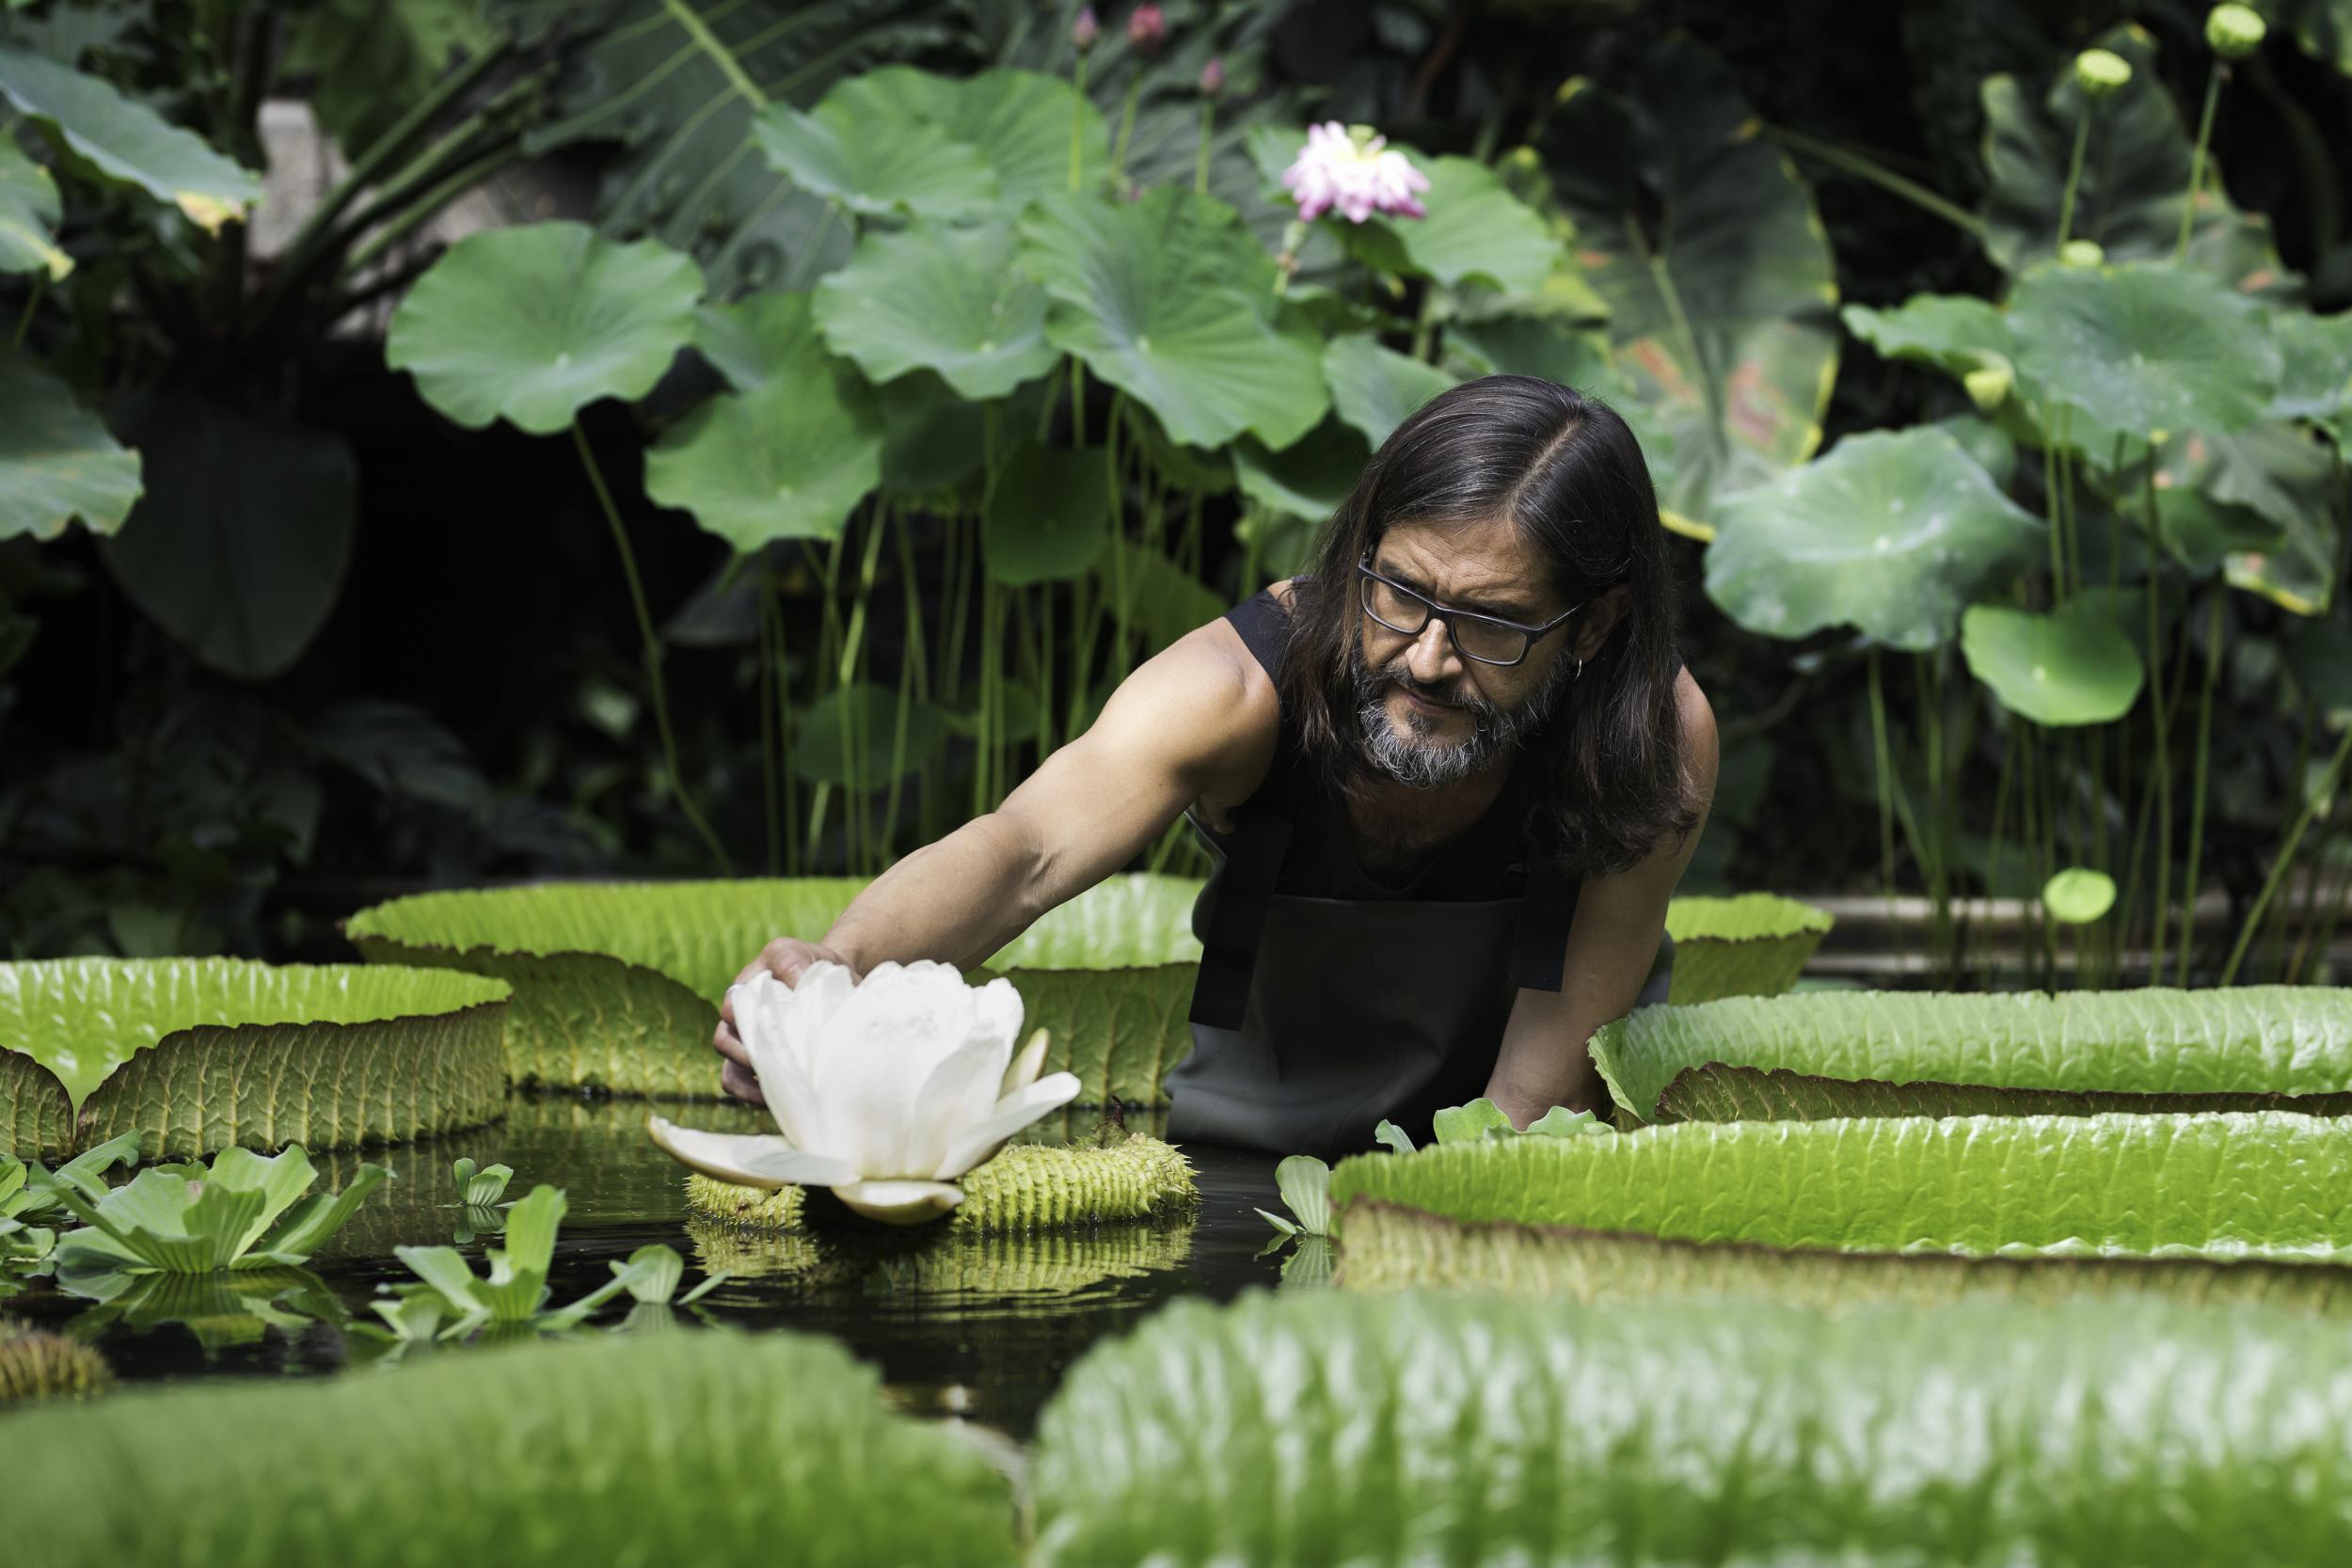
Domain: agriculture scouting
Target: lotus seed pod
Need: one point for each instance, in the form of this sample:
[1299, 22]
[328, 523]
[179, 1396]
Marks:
[2082, 253]
[2101, 71]
[1990, 383]
[38, 1366]
[2235, 31]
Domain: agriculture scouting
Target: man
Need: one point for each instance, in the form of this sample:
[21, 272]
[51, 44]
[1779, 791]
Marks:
[1451, 776]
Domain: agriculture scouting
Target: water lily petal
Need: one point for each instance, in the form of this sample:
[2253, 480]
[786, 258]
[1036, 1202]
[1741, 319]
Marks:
[763, 1010]
[960, 1092]
[1027, 1066]
[900, 1202]
[981, 1139]
[904, 1022]
[755, 1159]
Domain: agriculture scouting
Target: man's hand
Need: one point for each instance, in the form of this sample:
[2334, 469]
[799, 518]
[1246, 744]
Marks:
[785, 958]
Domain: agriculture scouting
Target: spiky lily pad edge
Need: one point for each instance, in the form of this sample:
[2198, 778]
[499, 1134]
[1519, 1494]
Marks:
[1720, 1091]
[1028, 1187]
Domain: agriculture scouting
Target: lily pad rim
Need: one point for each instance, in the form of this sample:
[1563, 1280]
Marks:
[2257, 1101]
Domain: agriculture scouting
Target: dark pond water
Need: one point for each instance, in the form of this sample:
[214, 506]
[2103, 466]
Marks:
[981, 1328]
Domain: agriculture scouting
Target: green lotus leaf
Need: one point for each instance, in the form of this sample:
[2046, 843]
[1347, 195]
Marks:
[2073, 666]
[2202, 533]
[1373, 387]
[198, 1054]
[1025, 1188]
[29, 216]
[2283, 474]
[1754, 945]
[618, 984]
[1893, 531]
[870, 712]
[2266, 1185]
[1956, 333]
[1155, 598]
[885, 165]
[2315, 367]
[2139, 354]
[370, 63]
[2078, 895]
[1169, 299]
[1048, 515]
[57, 461]
[126, 141]
[932, 297]
[2234, 1047]
[558, 1432]
[1306, 480]
[1018, 122]
[1179, 467]
[1723, 1432]
[1720, 297]
[2320, 657]
[2135, 177]
[533, 324]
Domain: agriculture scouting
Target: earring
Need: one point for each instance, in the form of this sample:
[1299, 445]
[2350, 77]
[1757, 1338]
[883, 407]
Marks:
[1580, 671]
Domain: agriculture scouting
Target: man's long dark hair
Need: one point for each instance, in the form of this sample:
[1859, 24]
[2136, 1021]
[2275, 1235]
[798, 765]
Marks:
[1569, 475]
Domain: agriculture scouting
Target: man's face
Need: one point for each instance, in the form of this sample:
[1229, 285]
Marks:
[1430, 717]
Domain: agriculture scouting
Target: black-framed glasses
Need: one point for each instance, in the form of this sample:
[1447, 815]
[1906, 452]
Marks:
[1485, 639]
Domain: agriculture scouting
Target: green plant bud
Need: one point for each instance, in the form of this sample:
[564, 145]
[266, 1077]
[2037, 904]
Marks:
[2101, 71]
[2082, 253]
[1989, 384]
[38, 1366]
[2235, 31]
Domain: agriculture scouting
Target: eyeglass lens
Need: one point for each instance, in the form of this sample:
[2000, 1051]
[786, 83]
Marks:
[1474, 635]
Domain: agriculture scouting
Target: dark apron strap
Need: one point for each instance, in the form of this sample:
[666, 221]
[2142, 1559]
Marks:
[1539, 944]
[1254, 864]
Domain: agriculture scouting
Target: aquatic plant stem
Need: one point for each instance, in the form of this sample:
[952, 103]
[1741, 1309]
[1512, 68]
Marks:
[2215, 626]
[2074, 175]
[1200, 161]
[1886, 769]
[1862, 166]
[2329, 781]
[1126, 124]
[767, 680]
[656, 687]
[2162, 762]
[25, 317]
[2196, 158]
[1077, 124]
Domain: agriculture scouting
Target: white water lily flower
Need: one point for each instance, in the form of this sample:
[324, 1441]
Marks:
[1356, 171]
[885, 1090]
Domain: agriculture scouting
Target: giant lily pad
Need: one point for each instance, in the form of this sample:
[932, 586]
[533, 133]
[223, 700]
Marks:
[2073, 666]
[932, 297]
[59, 463]
[534, 322]
[1714, 1432]
[1169, 299]
[1756, 945]
[29, 216]
[2134, 182]
[199, 1055]
[1374, 388]
[618, 984]
[1934, 1054]
[1894, 532]
[126, 141]
[557, 1432]
[1704, 241]
[946, 1264]
[2141, 353]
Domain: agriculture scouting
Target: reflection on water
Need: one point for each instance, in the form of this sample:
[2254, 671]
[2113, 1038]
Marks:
[982, 1328]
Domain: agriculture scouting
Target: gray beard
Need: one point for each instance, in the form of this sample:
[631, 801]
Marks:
[1417, 761]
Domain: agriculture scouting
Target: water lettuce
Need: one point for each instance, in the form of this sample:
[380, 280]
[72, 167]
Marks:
[680, 1448]
[196, 1054]
[1322, 1428]
[2226, 1186]
[1829, 1054]
[516, 1290]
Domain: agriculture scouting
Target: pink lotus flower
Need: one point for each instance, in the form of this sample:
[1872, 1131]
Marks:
[1147, 29]
[1348, 168]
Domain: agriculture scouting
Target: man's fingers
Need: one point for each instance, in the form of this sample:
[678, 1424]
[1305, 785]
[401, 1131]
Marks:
[737, 1081]
[730, 1045]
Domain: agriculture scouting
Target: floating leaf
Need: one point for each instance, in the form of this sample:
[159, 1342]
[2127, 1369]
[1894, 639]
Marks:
[1395, 1137]
[1704, 241]
[1754, 945]
[1893, 532]
[57, 461]
[2073, 666]
[1305, 1183]
[2248, 1042]
[29, 216]
[2139, 354]
[1374, 388]
[1169, 299]
[938, 298]
[2078, 895]
[1048, 516]
[241, 1212]
[1467, 1123]
[533, 324]
[126, 141]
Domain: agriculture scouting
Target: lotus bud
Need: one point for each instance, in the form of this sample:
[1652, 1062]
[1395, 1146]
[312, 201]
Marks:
[2101, 72]
[1990, 383]
[2235, 31]
[1147, 30]
[2081, 253]
[1085, 30]
[1212, 78]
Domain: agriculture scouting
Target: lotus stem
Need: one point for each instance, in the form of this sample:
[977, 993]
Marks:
[2163, 759]
[424, 208]
[1045, 673]
[1885, 782]
[1200, 161]
[2306, 922]
[1126, 123]
[853, 657]
[2074, 174]
[2216, 625]
[1077, 125]
[25, 317]
[2057, 520]
[656, 685]
[769, 660]
[1863, 166]
[2196, 158]
[1121, 605]
[2329, 781]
